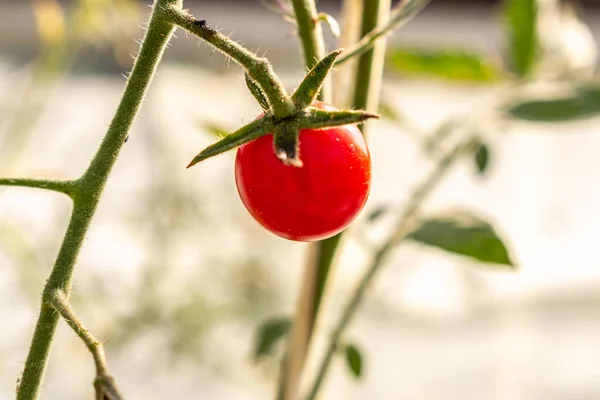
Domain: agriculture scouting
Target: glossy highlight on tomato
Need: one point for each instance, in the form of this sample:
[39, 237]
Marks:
[312, 202]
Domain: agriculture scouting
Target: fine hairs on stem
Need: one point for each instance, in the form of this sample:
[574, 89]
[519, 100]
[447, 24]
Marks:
[85, 193]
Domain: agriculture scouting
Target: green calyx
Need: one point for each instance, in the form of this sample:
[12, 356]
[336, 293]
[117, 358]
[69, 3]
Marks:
[286, 129]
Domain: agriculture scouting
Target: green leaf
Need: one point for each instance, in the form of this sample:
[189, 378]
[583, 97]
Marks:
[312, 83]
[246, 133]
[521, 18]
[482, 158]
[353, 360]
[269, 333]
[584, 103]
[317, 118]
[465, 234]
[448, 64]
[377, 213]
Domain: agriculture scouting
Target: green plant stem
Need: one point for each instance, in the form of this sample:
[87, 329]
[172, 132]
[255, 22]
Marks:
[87, 195]
[369, 71]
[403, 227]
[319, 267]
[402, 13]
[66, 187]
[59, 301]
[313, 46]
[311, 37]
[325, 250]
[258, 68]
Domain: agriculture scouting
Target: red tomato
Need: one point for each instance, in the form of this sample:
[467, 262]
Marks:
[312, 202]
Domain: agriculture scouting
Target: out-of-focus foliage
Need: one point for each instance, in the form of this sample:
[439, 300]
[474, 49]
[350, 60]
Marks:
[481, 156]
[584, 102]
[465, 234]
[354, 360]
[448, 64]
[522, 26]
[269, 334]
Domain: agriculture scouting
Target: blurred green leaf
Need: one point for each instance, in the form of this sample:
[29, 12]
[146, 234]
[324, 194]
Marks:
[449, 64]
[584, 103]
[521, 19]
[269, 333]
[378, 212]
[215, 129]
[463, 233]
[353, 360]
[482, 157]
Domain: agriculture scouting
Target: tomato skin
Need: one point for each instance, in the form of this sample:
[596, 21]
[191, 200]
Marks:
[312, 202]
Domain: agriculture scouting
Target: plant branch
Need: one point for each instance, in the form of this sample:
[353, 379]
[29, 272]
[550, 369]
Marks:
[86, 198]
[369, 71]
[258, 68]
[313, 45]
[59, 301]
[311, 37]
[65, 187]
[403, 227]
[366, 86]
[402, 13]
[105, 385]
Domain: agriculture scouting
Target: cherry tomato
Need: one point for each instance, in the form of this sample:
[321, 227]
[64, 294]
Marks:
[312, 202]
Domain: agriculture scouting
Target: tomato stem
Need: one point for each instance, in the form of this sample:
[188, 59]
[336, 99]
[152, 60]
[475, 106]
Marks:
[86, 193]
[65, 187]
[373, 13]
[369, 72]
[258, 68]
[313, 44]
[286, 143]
[311, 38]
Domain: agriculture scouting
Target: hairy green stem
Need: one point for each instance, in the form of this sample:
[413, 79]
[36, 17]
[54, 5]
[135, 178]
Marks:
[87, 195]
[59, 301]
[66, 187]
[418, 197]
[258, 68]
